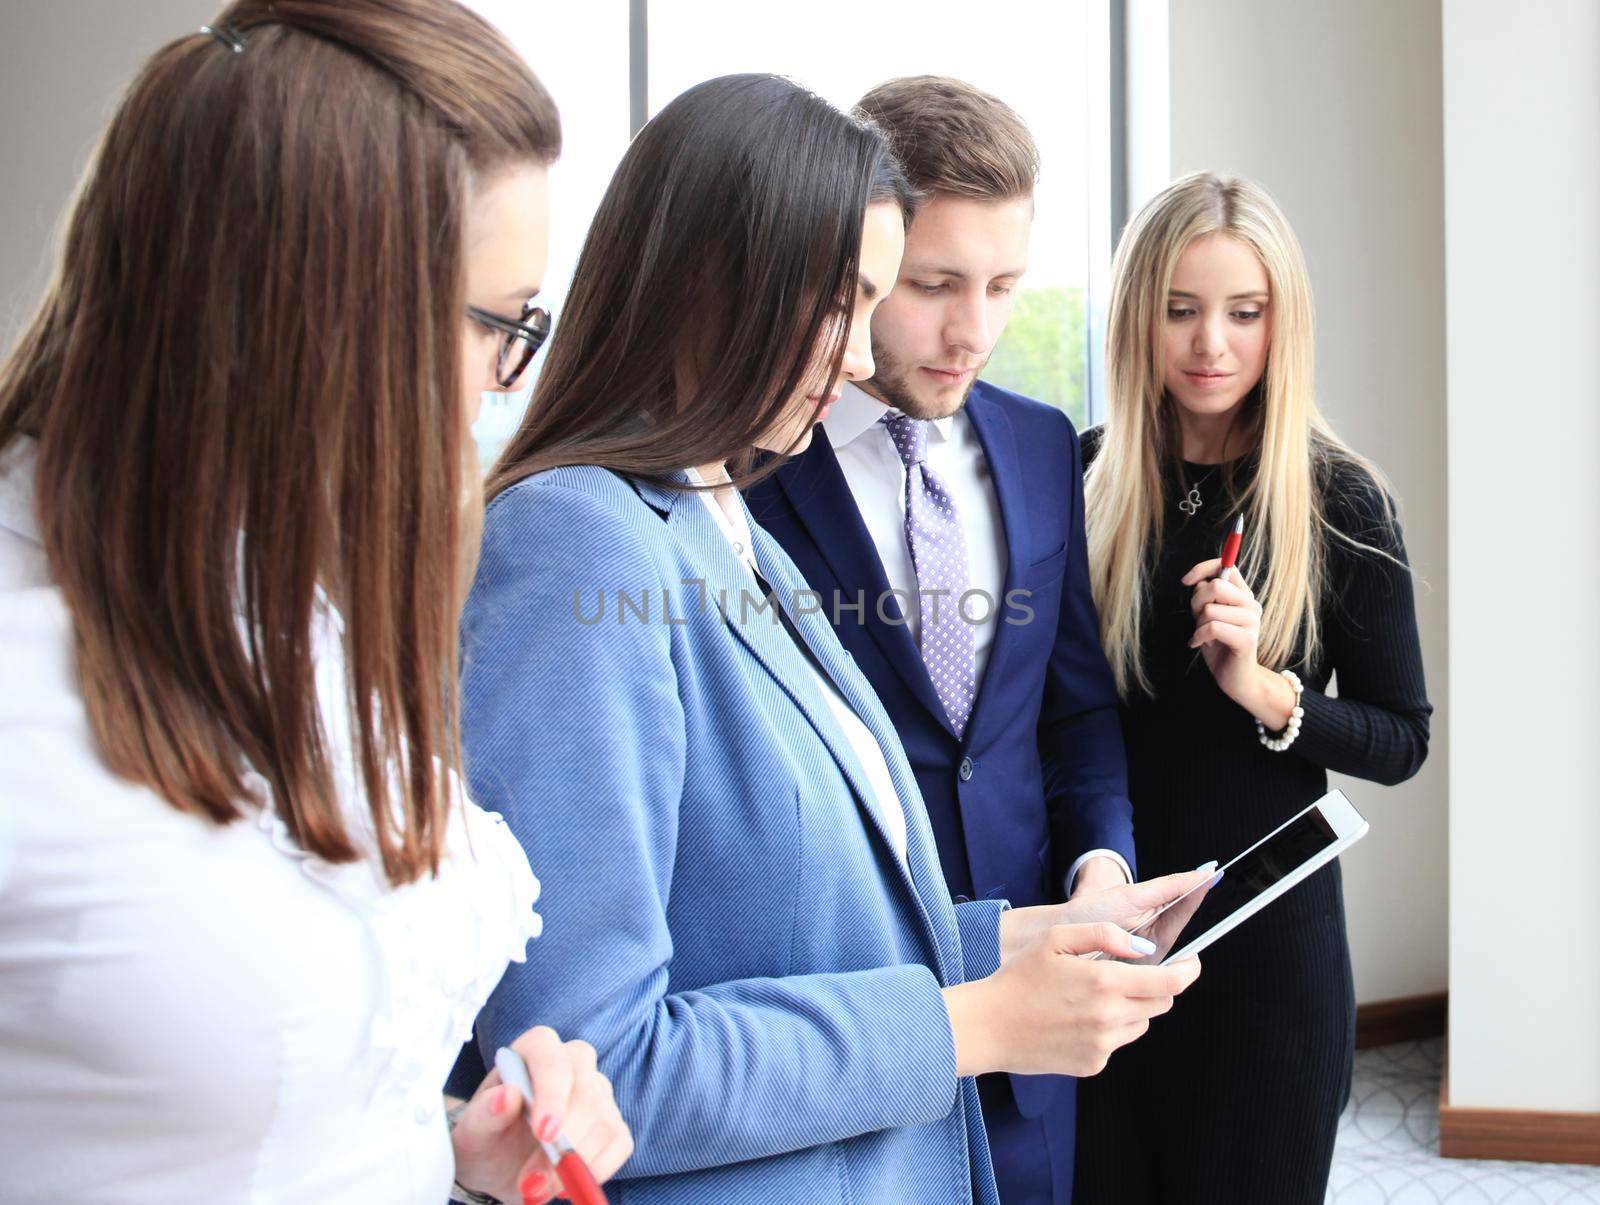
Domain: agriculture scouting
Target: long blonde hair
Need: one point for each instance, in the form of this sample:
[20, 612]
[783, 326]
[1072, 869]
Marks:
[1285, 557]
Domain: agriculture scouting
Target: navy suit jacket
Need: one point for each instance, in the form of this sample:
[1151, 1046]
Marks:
[1039, 775]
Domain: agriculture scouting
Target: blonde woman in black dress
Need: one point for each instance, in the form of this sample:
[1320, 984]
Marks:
[1229, 722]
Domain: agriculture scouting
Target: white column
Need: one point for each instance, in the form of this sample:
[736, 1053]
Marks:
[1522, 220]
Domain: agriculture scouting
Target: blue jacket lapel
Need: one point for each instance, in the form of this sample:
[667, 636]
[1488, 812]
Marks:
[724, 575]
[820, 496]
[999, 445]
[659, 498]
[726, 584]
[925, 878]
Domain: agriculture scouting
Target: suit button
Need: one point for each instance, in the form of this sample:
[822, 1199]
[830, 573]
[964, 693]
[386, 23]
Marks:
[965, 769]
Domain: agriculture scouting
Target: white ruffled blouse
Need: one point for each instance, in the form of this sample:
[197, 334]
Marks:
[194, 1012]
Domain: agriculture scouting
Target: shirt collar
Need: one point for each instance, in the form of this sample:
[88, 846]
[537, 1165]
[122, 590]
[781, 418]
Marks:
[727, 509]
[857, 412]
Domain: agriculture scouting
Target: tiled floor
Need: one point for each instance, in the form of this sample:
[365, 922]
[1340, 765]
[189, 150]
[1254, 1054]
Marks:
[1388, 1152]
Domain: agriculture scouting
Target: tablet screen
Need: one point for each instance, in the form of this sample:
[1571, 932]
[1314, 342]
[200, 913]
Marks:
[1256, 870]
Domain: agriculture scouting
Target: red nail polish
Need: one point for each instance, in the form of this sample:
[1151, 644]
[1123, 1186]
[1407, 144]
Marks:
[497, 1102]
[548, 1127]
[536, 1189]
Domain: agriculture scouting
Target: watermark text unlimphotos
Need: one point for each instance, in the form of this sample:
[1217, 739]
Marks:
[892, 607]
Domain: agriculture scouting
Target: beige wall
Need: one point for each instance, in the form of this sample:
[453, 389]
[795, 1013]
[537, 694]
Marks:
[63, 65]
[1336, 109]
[1522, 214]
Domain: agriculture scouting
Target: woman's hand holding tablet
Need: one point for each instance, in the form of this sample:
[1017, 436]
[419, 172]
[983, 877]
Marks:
[1047, 1010]
[1288, 855]
[1050, 1011]
[1128, 906]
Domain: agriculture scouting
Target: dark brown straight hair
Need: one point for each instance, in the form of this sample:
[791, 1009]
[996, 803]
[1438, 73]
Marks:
[727, 242]
[243, 380]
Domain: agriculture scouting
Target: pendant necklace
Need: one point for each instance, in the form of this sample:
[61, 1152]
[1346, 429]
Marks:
[1191, 502]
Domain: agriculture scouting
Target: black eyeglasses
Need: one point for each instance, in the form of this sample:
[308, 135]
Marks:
[523, 338]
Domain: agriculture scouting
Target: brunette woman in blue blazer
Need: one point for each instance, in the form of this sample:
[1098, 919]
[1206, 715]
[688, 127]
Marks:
[744, 909]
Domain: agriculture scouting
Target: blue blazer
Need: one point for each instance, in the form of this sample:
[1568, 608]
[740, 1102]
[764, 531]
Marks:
[1040, 776]
[725, 919]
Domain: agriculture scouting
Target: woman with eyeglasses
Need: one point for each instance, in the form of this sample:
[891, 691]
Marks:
[246, 914]
[747, 917]
[520, 339]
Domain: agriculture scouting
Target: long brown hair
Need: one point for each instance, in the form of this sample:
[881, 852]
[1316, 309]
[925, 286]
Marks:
[243, 380]
[727, 241]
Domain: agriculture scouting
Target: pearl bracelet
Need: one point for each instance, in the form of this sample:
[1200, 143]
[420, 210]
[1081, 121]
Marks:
[1279, 743]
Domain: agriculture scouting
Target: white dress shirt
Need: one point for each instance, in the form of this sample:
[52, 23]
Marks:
[728, 509]
[194, 1011]
[877, 479]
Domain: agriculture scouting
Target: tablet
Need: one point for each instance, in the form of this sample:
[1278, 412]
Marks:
[1288, 855]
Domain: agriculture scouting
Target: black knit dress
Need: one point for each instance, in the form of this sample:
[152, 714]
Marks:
[1234, 1097]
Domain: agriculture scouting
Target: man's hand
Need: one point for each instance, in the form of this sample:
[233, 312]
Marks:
[1098, 874]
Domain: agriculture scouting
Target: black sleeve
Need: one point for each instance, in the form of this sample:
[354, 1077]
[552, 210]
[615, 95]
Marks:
[1377, 728]
[1089, 443]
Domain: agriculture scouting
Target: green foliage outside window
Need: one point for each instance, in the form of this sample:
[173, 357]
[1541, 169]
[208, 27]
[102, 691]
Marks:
[1041, 353]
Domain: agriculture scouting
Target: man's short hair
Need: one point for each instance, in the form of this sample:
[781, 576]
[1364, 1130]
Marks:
[954, 138]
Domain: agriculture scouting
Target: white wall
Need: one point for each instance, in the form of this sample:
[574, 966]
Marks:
[1335, 108]
[63, 65]
[1522, 197]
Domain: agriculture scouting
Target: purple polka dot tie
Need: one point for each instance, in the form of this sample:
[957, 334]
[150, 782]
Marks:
[939, 554]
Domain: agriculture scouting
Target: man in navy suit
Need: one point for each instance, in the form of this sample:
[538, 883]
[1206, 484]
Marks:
[941, 523]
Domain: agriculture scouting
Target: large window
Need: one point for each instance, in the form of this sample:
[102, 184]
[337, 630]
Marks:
[580, 53]
[1034, 61]
[1050, 63]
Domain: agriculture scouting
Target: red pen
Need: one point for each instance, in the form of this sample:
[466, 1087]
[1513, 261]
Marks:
[577, 1181]
[1230, 547]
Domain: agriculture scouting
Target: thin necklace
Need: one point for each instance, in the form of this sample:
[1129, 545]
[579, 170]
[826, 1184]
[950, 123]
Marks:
[1191, 501]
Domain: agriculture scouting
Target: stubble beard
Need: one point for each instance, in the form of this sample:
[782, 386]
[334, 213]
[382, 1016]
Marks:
[890, 383]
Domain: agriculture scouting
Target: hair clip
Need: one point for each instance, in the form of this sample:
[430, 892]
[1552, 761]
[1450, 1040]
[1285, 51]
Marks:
[226, 36]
